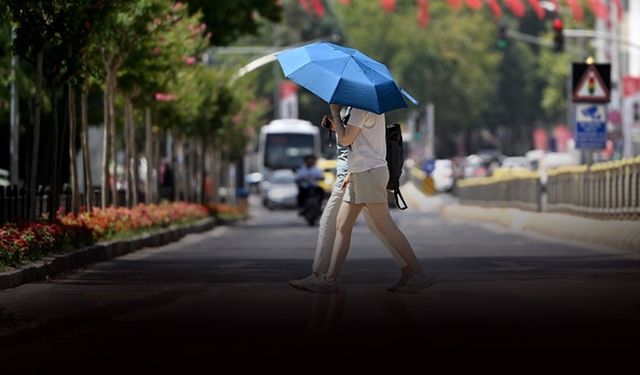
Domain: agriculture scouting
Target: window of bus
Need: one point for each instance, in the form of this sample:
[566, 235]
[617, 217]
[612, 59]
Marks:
[286, 151]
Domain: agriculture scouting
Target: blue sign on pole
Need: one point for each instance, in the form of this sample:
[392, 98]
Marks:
[590, 126]
[429, 166]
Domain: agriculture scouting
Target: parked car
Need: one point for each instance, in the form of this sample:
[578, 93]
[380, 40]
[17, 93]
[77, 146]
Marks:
[280, 190]
[512, 164]
[474, 167]
[443, 175]
[552, 160]
[4, 177]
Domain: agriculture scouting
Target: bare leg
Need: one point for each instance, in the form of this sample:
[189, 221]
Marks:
[346, 220]
[384, 223]
[372, 227]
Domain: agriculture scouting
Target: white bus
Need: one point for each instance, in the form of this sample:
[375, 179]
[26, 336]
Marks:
[283, 144]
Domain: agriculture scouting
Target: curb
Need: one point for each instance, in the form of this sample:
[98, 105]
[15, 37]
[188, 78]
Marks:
[57, 264]
[616, 233]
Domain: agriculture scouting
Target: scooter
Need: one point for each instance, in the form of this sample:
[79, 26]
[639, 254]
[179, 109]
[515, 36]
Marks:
[312, 208]
[312, 205]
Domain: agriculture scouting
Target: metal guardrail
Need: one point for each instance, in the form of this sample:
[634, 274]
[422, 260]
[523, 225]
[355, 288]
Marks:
[519, 190]
[610, 189]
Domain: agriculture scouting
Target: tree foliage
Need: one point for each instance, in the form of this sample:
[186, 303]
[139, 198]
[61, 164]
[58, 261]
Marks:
[449, 63]
[228, 20]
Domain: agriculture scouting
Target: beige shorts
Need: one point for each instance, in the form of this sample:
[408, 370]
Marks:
[368, 186]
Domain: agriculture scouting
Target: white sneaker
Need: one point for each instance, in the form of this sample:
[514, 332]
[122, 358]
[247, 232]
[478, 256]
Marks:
[399, 284]
[303, 284]
[323, 284]
[417, 282]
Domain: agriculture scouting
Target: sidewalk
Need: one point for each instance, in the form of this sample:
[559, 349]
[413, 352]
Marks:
[624, 235]
[619, 234]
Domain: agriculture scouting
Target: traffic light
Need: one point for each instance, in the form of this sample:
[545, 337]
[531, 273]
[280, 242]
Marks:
[558, 36]
[503, 40]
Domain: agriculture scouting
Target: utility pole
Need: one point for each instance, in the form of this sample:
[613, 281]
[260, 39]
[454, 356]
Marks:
[430, 151]
[14, 147]
[276, 75]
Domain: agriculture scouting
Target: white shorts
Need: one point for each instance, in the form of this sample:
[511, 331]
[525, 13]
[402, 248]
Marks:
[368, 187]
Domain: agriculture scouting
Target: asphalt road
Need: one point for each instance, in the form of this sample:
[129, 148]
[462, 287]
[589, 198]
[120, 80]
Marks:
[223, 296]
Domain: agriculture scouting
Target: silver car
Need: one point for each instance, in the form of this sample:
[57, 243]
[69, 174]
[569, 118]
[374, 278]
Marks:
[280, 190]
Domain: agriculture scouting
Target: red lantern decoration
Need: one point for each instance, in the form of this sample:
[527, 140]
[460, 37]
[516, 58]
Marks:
[474, 4]
[455, 4]
[389, 6]
[495, 8]
[537, 8]
[423, 12]
[576, 10]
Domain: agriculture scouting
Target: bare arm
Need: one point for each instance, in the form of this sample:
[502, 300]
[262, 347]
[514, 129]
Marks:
[346, 134]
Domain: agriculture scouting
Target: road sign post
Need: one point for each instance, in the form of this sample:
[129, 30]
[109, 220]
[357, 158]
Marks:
[590, 126]
[591, 88]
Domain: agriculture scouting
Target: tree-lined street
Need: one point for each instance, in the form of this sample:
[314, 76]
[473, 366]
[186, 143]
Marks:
[125, 125]
[223, 295]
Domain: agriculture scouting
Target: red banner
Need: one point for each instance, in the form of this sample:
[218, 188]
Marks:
[423, 12]
[598, 9]
[455, 4]
[318, 7]
[389, 6]
[516, 7]
[619, 8]
[304, 4]
[537, 8]
[495, 8]
[474, 4]
[576, 10]
[631, 85]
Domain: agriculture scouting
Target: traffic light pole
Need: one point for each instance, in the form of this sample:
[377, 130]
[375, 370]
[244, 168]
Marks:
[582, 33]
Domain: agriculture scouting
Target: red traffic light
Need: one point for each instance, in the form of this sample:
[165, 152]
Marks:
[557, 24]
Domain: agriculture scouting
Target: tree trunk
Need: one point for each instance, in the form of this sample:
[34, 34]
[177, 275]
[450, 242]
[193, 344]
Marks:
[133, 158]
[215, 171]
[33, 179]
[203, 172]
[106, 142]
[88, 184]
[112, 136]
[75, 201]
[148, 152]
[155, 187]
[178, 167]
[127, 150]
[54, 193]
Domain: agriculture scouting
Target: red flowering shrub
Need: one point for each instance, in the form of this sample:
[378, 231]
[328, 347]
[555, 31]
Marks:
[21, 242]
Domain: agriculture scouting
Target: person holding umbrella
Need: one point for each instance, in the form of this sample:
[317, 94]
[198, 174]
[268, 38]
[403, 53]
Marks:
[365, 186]
[347, 77]
[327, 230]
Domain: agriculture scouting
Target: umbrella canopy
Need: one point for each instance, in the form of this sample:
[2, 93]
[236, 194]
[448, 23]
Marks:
[343, 75]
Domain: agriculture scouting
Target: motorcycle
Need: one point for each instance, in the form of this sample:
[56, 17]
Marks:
[312, 205]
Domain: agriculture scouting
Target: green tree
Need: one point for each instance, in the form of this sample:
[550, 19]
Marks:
[229, 20]
[451, 62]
[56, 30]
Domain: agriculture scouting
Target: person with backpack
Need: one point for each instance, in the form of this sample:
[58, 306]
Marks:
[366, 186]
[327, 226]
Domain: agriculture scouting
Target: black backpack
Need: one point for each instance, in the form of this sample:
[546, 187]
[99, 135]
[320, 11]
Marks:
[395, 161]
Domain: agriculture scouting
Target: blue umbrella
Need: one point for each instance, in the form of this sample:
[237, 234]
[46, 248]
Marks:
[343, 75]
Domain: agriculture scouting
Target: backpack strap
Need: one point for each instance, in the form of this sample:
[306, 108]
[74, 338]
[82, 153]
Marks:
[396, 194]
